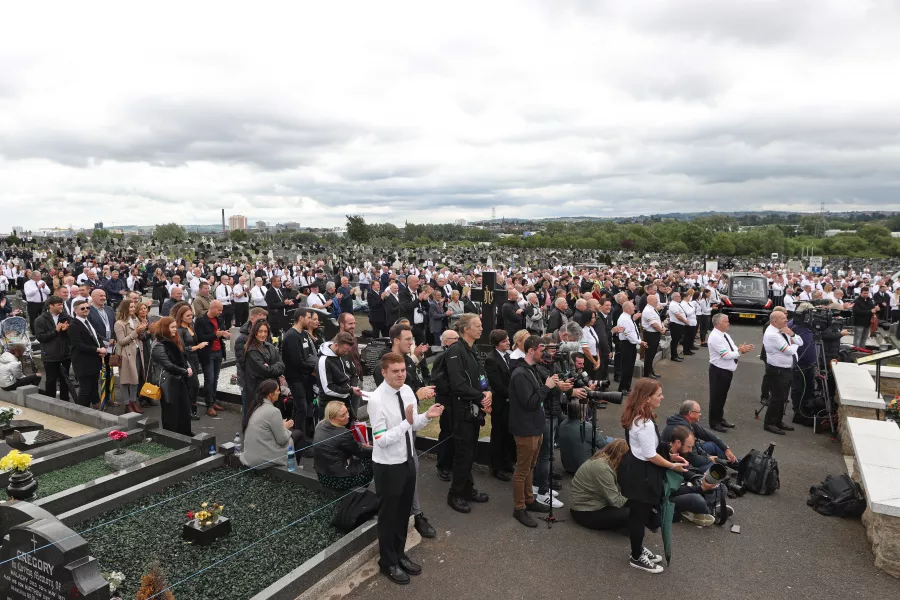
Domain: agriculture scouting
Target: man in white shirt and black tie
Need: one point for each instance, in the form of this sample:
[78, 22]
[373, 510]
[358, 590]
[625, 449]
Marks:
[392, 411]
[723, 360]
[36, 293]
[781, 347]
[225, 295]
[653, 330]
[629, 341]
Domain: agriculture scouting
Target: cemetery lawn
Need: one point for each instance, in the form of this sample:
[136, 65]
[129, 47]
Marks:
[433, 429]
[256, 503]
[77, 474]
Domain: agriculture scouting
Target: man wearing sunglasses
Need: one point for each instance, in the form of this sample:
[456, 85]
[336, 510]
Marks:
[88, 351]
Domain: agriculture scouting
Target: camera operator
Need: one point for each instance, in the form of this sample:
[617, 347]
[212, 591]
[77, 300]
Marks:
[577, 442]
[804, 383]
[551, 364]
[696, 500]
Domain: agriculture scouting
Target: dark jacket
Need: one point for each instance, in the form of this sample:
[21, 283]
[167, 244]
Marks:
[526, 402]
[376, 307]
[436, 316]
[498, 374]
[299, 355]
[166, 308]
[603, 328]
[97, 321]
[831, 342]
[114, 289]
[465, 375]
[206, 332]
[555, 320]
[261, 363]
[54, 344]
[862, 311]
[698, 458]
[85, 360]
[391, 309]
[577, 443]
[409, 302]
[239, 342]
[512, 322]
[336, 453]
[336, 375]
[806, 354]
[169, 371]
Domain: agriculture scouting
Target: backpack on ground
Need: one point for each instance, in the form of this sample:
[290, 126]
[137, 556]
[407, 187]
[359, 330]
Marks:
[758, 472]
[838, 496]
[355, 509]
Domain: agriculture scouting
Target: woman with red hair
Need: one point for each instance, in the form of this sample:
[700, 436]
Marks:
[643, 468]
[171, 372]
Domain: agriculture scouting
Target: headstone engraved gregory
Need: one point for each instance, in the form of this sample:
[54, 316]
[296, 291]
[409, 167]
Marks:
[42, 559]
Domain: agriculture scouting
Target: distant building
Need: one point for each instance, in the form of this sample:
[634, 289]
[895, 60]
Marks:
[17, 229]
[834, 232]
[289, 226]
[237, 222]
[895, 234]
[261, 225]
[461, 222]
[98, 225]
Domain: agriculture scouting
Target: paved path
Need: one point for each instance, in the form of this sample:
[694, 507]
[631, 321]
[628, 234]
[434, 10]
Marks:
[786, 550]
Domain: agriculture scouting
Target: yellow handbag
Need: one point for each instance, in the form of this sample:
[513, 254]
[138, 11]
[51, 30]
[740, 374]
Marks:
[153, 392]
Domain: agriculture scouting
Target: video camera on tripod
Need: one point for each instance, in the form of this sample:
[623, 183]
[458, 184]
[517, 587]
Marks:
[818, 319]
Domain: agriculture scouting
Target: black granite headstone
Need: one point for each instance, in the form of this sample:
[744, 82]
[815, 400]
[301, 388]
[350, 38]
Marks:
[42, 559]
[491, 299]
[371, 355]
[482, 351]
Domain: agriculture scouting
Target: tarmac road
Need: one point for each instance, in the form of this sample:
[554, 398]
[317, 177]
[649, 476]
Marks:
[785, 550]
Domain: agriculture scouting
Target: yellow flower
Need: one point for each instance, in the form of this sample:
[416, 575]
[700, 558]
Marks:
[16, 460]
[204, 505]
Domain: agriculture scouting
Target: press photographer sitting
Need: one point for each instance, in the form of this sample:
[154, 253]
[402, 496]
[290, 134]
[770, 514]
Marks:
[595, 500]
[697, 500]
[710, 446]
[577, 440]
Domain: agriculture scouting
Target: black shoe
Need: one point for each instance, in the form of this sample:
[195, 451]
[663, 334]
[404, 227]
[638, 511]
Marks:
[476, 496]
[625, 392]
[773, 429]
[524, 518]
[537, 507]
[688, 353]
[409, 566]
[653, 375]
[458, 504]
[785, 427]
[396, 574]
[444, 475]
[676, 359]
[502, 475]
[719, 427]
[616, 378]
[726, 423]
[424, 528]
[195, 417]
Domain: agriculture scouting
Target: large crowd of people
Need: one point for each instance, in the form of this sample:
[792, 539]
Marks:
[560, 333]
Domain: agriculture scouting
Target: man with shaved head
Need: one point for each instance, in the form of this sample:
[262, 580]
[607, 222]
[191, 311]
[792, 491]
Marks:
[781, 345]
[207, 329]
[629, 341]
[414, 306]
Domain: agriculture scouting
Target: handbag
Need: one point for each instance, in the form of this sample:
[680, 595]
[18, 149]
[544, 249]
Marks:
[115, 360]
[148, 390]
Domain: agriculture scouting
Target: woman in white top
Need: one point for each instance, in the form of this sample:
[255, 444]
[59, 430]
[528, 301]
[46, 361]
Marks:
[643, 469]
[690, 330]
[258, 294]
[590, 343]
[704, 315]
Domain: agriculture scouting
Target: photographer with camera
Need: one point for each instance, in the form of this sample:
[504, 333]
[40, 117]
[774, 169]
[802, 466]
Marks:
[577, 441]
[698, 499]
[804, 381]
[710, 446]
[554, 360]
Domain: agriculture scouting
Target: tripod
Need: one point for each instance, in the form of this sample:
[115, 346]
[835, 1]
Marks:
[821, 373]
[550, 518]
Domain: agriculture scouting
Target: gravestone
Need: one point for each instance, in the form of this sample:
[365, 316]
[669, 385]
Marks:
[482, 351]
[490, 298]
[42, 559]
[370, 357]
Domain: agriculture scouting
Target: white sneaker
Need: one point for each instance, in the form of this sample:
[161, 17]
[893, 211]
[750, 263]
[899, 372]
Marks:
[545, 499]
[697, 519]
[534, 490]
[644, 564]
[654, 558]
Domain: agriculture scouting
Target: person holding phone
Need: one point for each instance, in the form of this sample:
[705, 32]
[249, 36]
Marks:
[642, 470]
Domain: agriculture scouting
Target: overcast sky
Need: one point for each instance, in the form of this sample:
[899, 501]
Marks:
[432, 112]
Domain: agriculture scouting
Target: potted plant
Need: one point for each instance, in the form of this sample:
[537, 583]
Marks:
[114, 578]
[22, 484]
[118, 437]
[892, 410]
[7, 415]
[206, 525]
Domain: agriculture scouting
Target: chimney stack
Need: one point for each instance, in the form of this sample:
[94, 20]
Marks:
[223, 221]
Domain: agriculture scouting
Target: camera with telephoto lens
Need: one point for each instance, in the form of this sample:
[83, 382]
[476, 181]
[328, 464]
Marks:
[816, 318]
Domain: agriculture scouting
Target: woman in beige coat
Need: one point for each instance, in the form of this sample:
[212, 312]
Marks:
[130, 348]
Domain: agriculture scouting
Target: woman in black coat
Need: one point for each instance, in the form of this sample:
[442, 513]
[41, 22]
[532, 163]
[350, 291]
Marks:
[171, 372]
[160, 289]
[262, 360]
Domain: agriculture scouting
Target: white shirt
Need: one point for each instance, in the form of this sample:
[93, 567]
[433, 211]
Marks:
[315, 299]
[36, 291]
[642, 439]
[780, 350]
[239, 289]
[223, 294]
[258, 295]
[630, 332]
[677, 308]
[789, 302]
[723, 352]
[690, 312]
[390, 429]
[589, 340]
[649, 316]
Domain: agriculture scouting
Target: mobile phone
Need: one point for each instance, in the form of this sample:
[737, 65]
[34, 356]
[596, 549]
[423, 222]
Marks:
[735, 529]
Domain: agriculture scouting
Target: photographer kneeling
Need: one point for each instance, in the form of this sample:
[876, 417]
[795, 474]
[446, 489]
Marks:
[596, 502]
[697, 499]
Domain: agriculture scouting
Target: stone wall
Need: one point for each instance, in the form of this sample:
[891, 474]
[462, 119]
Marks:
[883, 532]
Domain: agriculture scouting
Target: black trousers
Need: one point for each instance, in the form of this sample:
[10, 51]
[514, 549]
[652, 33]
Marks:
[241, 313]
[628, 354]
[379, 329]
[687, 338]
[652, 338]
[445, 449]
[57, 371]
[608, 518]
[677, 333]
[639, 515]
[617, 365]
[719, 384]
[603, 371]
[227, 316]
[502, 446]
[32, 379]
[779, 389]
[705, 323]
[299, 412]
[89, 389]
[419, 333]
[465, 442]
[395, 485]
[34, 309]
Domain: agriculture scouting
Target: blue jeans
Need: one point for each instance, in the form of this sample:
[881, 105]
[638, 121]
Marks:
[211, 376]
[712, 449]
[541, 475]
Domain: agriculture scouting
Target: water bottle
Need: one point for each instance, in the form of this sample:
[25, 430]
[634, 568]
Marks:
[238, 446]
[212, 450]
[291, 459]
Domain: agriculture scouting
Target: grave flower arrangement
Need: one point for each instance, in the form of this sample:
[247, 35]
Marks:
[118, 437]
[15, 461]
[114, 578]
[8, 414]
[208, 514]
[892, 410]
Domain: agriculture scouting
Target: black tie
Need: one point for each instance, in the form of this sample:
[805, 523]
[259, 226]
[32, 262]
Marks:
[729, 345]
[409, 453]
